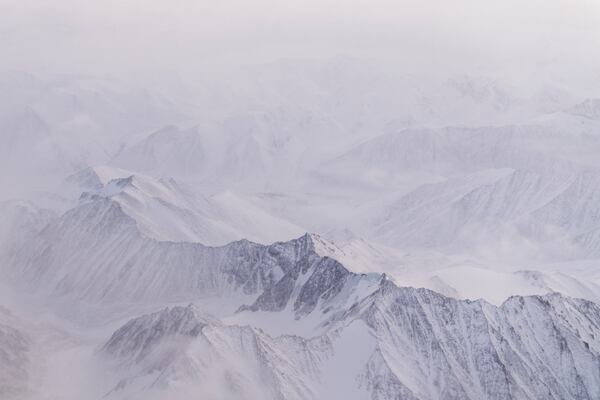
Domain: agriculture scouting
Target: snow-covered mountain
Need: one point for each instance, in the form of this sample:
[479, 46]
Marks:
[267, 177]
[163, 209]
[411, 342]
[53, 126]
[153, 241]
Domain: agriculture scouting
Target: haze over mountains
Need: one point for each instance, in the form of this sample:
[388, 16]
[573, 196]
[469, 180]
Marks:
[218, 202]
[461, 186]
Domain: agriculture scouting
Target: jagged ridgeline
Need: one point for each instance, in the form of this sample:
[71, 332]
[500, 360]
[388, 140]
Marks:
[282, 322]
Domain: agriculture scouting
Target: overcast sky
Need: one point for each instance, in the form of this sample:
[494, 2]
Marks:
[121, 36]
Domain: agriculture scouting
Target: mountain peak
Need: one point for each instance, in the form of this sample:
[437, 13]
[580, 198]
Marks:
[139, 336]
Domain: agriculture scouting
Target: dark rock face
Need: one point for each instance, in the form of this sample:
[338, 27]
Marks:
[311, 280]
[326, 281]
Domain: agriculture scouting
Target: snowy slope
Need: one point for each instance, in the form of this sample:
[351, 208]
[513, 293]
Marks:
[21, 220]
[366, 334]
[15, 360]
[405, 342]
[452, 150]
[163, 209]
[99, 254]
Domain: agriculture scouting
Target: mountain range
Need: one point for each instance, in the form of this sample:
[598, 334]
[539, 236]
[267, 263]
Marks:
[302, 229]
